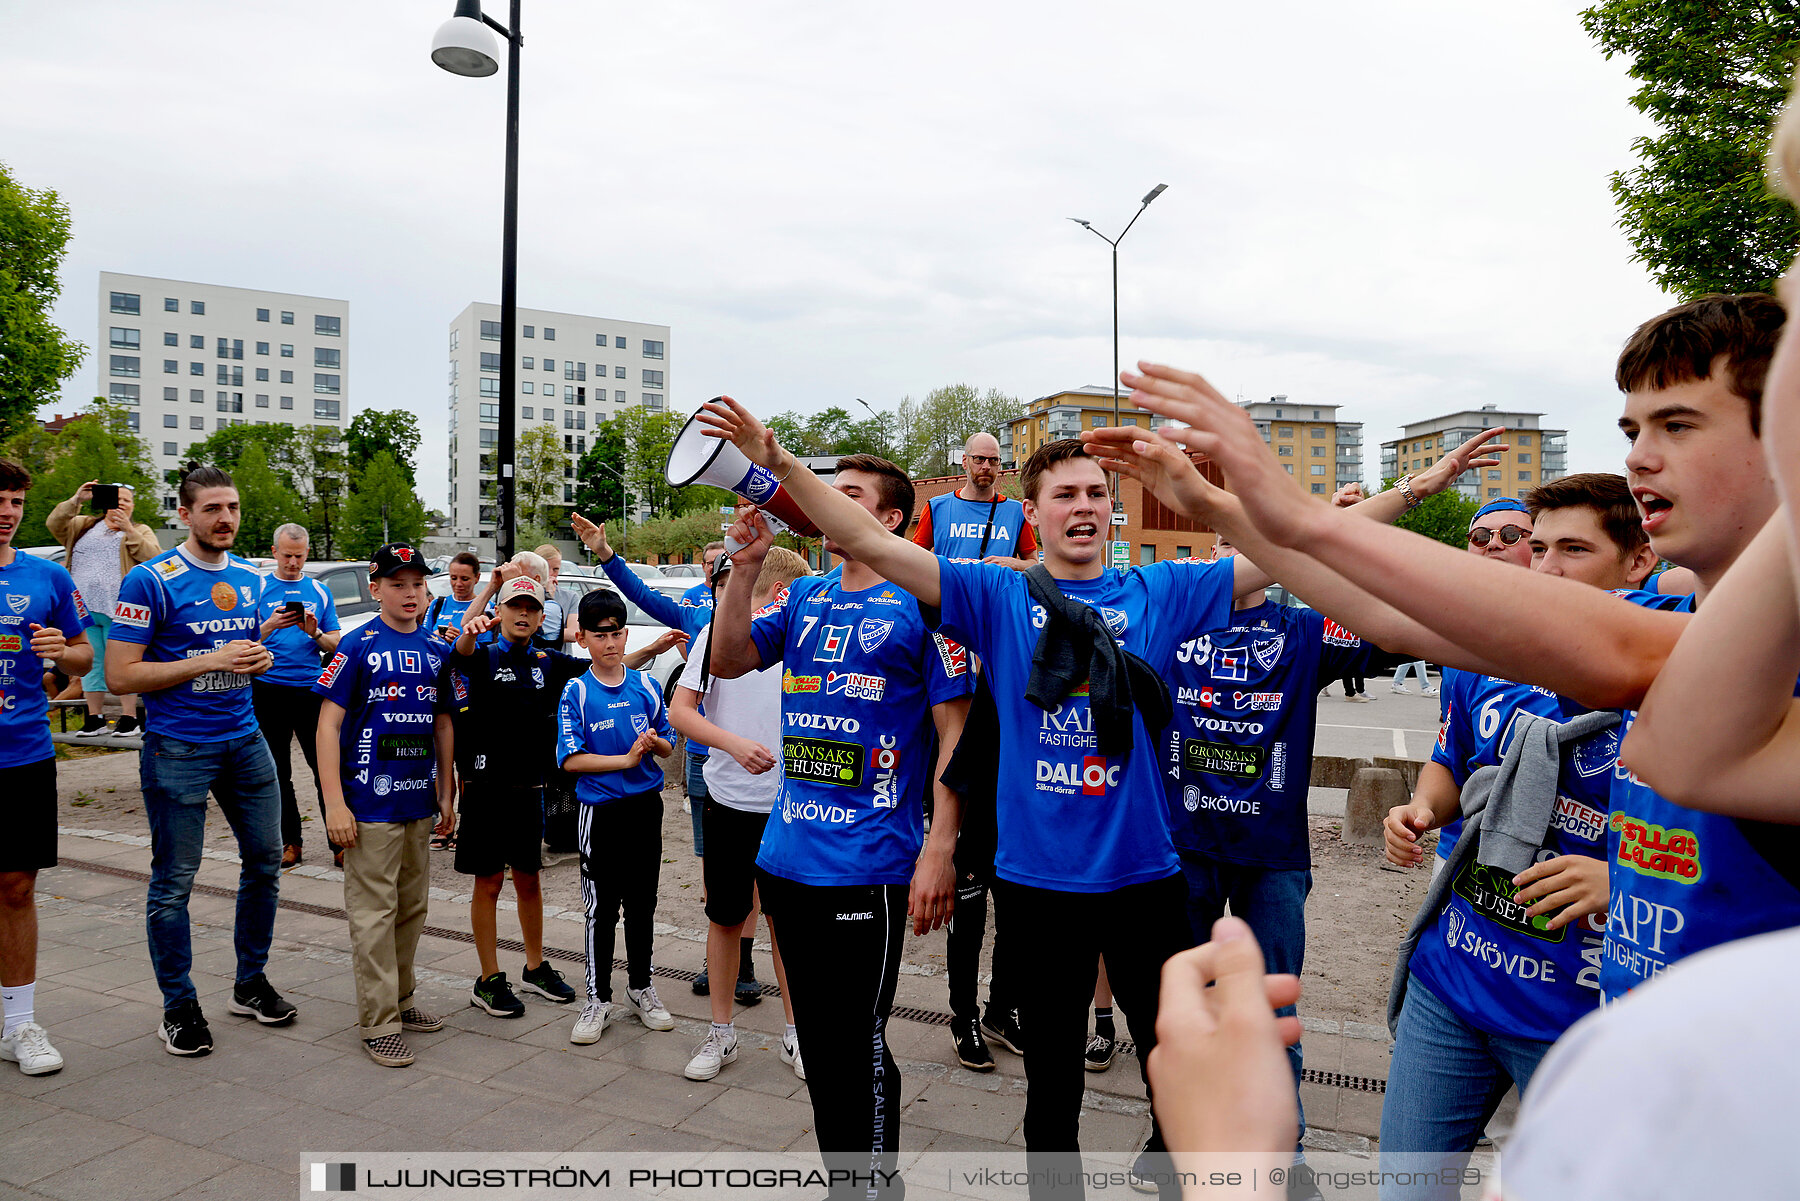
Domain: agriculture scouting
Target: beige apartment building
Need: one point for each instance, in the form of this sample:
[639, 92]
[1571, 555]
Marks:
[1534, 455]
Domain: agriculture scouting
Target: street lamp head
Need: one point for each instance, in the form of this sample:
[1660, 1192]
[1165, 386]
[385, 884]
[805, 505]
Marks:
[1080, 222]
[463, 45]
[1158, 190]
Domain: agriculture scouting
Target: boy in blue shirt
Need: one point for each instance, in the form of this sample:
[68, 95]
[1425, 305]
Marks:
[384, 758]
[611, 727]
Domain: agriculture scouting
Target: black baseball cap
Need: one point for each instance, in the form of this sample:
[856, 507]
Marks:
[395, 556]
[601, 604]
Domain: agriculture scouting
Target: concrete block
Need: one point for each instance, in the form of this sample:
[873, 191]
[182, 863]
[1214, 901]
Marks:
[1336, 771]
[1373, 791]
[1409, 768]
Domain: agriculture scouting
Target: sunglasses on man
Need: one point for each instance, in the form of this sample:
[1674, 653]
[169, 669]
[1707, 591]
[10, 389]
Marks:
[1509, 535]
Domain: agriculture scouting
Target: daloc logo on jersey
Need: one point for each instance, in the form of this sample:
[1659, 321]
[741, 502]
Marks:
[871, 633]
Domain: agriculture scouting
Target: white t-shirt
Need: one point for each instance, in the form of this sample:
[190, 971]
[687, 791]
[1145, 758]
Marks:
[749, 706]
[1683, 1089]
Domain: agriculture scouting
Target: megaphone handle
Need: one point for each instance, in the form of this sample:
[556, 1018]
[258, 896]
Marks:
[776, 524]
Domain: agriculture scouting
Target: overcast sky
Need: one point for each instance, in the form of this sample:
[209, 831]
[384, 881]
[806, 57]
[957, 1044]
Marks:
[1398, 206]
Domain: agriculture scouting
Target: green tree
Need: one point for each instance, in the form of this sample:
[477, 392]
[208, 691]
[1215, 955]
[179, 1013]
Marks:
[1714, 75]
[1444, 517]
[375, 430]
[599, 492]
[381, 508]
[933, 431]
[539, 479]
[35, 355]
[266, 500]
[98, 445]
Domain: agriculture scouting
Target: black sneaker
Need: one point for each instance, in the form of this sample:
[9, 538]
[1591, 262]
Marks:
[546, 982]
[701, 988]
[92, 726]
[126, 725]
[1301, 1186]
[971, 1049]
[1102, 1049]
[749, 992]
[494, 995]
[257, 998]
[1151, 1168]
[1002, 1026]
[184, 1030]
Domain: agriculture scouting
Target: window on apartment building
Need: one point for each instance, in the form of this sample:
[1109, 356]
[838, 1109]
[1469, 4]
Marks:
[326, 410]
[549, 334]
[287, 350]
[228, 405]
[171, 367]
[568, 444]
[1523, 439]
[581, 396]
[196, 423]
[328, 385]
[489, 439]
[262, 314]
[530, 331]
[1286, 452]
[490, 362]
[168, 448]
[287, 402]
[1146, 553]
[123, 393]
[581, 444]
[618, 398]
[1286, 431]
[528, 388]
[124, 364]
[171, 339]
[287, 318]
[490, 331]
[619, 372]
[172, 394]
[528, 363]
[287, 377]
[196, 342]
[525, 414]
[196, 396]
[262, 375]
[1318, 452]
[619, 342]
[262, 400]
[652, 379]
[330, 357]
[1524, 458]
[1318, 430]
[125, 302]
[327, 327]
[653, 400]
[1288, 467]
[488, 412]
[262, 348]
[550, 365]
[568, 419]
[1319, 489]
[131, 422]
[490, 387]
[197, 307]
[1525, 475]
[1184, 552]
[171, 304]
[1493, 475]
[1318, 469]
[652, 350]
[124, 339]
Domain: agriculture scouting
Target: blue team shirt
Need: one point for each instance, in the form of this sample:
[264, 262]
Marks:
[1498, 970]
[387, 683]
[962, 529]
[862, 671]
[1681, 880]
[34, 592]
[178, 608]
[1237, 759]
[444, 617]
[297, 657]
[597, 718]
[1069, 818]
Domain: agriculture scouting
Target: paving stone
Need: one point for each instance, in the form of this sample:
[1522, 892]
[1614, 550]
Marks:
[470, 1056]
[303, 1128]
[247, 1053]
[630, 1134]
[1321, 1105]
[56, 1143]
[750, 1119]
[760, 1070]
[58, 1002]
[110, 1026]
[957, 1143]
[348, 1084]
[102, 935]
[53, 961]
[1365, 1058]
[22, 1111]
[147, 1170]
[1358, 1113]
[659, 1050]
[430, 1103]
[129, 1088]
[80, 1062]
[532, 1124]
[561, 1073]
[663, 1098]
[210, 1113]
[238, 1182]
[943, 1106]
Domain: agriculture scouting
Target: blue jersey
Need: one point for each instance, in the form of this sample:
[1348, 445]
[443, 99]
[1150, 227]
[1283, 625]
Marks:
[597, 718]
[1498, 970]
[975, 529]
[1070, 818]
[177, 607]
[387, 682]
[688, 616]
[297, 658]
[1681, 880]
[444, 617]
[1238, 758]
[700, 597]
[862, 673]
[36, 592]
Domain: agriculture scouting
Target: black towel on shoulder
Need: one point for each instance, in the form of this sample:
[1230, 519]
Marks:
[1075, 646]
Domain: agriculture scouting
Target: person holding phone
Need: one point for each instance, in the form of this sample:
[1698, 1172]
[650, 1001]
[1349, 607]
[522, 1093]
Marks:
[102, 544]
[299, 625]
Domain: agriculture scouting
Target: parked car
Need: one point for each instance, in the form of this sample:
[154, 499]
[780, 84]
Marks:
[348, 583]
[54, 554]
[685, 571]
[645, 571]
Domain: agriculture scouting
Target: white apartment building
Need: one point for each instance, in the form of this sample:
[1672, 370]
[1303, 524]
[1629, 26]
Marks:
[191, 358]
[574, 373]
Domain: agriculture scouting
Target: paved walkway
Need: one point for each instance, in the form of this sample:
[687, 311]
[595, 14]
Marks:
[125, 1119]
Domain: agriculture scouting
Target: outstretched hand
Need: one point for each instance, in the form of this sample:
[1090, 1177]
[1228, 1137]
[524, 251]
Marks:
[726, 418]
[592, 535]
[1155, 461]
[1477, 452]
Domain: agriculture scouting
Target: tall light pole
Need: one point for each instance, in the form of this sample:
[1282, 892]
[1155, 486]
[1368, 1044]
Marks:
[463, 46]
[1118, 503]
[624, 505]
[880, 422]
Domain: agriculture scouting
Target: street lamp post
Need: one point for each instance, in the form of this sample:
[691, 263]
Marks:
[624, 505]
[463, 46]
[1118, 503]
[880, 420]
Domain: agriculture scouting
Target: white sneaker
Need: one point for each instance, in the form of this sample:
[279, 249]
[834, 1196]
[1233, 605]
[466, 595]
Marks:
[717, 1051]
[649, 1008]
[591, 1023]
[790, 1053]
[29, 1047]
[1428, 692]
[1402, 689]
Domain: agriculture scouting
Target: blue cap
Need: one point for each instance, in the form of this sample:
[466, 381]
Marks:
[1506, 504]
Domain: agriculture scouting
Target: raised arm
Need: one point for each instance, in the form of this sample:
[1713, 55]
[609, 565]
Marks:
[734, 652]
[842, 520]
[1720, 729]
[593, 536]
[1597, 649]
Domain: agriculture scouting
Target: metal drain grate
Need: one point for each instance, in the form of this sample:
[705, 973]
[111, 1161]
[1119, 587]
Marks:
[908, 1013]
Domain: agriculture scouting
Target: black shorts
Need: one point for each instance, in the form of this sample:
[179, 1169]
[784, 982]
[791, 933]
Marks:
[463, 746]
[502, 826]
[729, 866]
[30, 842]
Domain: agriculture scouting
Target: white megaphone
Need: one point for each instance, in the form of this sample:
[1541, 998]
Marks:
[698, 459]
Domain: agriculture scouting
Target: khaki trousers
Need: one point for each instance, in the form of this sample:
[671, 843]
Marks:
[387, 879]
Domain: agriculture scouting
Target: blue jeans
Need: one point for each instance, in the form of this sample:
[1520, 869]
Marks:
[176, 777]
[1419, 667]
[1272, 900]
[697, 794]
[1444, 1083]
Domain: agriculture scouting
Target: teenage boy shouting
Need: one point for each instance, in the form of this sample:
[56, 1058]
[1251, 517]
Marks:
[384, 758]
[514, 688]
[611, 726]
[864, 684]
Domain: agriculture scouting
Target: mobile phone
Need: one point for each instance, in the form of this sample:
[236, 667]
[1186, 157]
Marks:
[295, 607]
[106, 497]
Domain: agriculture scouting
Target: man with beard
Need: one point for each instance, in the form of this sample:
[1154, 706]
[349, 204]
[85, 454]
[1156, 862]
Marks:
[184, 636]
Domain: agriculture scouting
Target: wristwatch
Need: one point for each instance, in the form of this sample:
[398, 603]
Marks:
[1404, 484]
